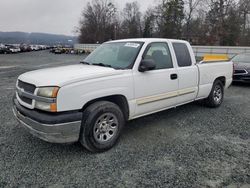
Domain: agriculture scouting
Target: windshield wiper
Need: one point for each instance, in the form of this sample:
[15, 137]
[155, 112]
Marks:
[102, 65]
[85, 62]
[98, 64]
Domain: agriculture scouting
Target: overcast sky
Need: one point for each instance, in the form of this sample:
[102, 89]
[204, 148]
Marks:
[49, 16]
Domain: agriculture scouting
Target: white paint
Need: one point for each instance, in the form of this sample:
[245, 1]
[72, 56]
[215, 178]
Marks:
[83, 83]
[49, 64]
[61, 76]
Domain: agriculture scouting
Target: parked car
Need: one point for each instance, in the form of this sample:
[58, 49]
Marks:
[13, 49]
[58, 51]
[52, 50]
[25, 48]
[34, 47]
[241, 68]
[120, 81]
[3, 49]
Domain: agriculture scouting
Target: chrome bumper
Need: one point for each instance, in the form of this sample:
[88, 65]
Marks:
[56, 133]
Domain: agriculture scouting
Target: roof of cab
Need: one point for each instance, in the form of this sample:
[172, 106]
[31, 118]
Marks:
[147, 40]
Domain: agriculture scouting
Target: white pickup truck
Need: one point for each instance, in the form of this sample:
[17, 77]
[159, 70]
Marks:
[120, 81]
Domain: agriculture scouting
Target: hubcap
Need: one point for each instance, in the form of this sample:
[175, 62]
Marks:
[217, 94]
[105, 128]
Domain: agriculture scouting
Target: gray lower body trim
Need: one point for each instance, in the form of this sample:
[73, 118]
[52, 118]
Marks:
[57, 133]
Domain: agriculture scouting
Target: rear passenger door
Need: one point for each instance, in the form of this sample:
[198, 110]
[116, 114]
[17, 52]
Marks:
[187, 73]
[156, 89]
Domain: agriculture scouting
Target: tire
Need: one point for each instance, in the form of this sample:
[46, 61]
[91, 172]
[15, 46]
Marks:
[216, 95]
[102, 124]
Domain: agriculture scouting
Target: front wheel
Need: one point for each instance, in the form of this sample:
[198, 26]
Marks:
[216, 95]
[102, 124]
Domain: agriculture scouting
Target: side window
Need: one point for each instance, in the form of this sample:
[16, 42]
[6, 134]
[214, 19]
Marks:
[182, 54]
[159, 52]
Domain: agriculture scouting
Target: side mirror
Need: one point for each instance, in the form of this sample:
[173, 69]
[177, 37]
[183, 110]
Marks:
[147, 65]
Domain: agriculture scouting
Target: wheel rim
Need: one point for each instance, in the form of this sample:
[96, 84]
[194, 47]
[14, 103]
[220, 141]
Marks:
[217, 94]
[106, 127]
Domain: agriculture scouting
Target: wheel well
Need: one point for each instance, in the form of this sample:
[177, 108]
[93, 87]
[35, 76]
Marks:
[222, 79]
[119, 100]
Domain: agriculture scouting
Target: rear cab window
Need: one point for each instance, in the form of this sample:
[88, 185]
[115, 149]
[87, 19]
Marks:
[182, 54]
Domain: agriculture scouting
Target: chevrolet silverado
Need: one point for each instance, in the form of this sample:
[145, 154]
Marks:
[119, 81]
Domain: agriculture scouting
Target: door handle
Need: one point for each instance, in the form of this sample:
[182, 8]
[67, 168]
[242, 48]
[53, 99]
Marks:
[173, 76]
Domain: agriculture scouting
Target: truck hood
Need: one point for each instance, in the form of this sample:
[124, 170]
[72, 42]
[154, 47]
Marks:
[65, 75]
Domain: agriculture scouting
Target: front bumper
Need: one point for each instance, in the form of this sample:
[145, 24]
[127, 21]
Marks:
[57, 128]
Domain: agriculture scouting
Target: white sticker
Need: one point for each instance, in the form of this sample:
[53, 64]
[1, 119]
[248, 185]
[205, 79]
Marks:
[133, 45]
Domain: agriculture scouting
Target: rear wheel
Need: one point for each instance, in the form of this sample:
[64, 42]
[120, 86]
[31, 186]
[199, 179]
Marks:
[102, 124]
[216, 95]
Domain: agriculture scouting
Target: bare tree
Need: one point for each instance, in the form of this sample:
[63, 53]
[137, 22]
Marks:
[191, 8]
[216, 18]
[149, 23]
[131, 24]
[244, 11]
[171, 18]
[97, 23]
[206, 22]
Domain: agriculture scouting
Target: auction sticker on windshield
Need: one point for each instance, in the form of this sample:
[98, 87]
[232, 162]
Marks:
[133, 45]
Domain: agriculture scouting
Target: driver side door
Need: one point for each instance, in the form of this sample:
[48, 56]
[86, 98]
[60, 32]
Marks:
[157, 89]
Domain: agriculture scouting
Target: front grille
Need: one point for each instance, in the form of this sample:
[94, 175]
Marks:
[25, 99]
[30, 88]
[240, 71]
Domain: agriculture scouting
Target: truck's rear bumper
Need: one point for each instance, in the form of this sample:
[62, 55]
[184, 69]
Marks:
[60, 132]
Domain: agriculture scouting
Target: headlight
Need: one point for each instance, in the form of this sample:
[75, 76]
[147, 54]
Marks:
[49, 92]
[49, 107]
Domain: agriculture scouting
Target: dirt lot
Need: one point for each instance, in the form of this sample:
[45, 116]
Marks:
[190, 146]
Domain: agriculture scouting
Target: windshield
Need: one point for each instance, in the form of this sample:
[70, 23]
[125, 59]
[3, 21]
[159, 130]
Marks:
[120, 55]
[244, 58]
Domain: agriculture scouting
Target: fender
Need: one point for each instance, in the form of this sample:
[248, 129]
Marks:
[75, 96]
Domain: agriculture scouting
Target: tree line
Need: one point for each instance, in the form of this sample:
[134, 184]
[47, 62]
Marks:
[202, 22]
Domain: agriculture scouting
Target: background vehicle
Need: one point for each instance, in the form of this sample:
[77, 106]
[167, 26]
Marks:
[58, 51]
[63, 50]
[34, 47]
[3, 49]
[119, 81]
[12, 49]
[25, 48]
[241, 68]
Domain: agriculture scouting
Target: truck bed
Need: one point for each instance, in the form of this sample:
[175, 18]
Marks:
[208, 71]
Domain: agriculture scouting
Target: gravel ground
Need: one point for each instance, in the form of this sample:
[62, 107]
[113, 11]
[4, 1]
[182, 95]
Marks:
[190, 146]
